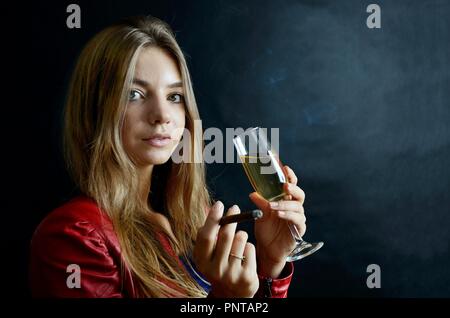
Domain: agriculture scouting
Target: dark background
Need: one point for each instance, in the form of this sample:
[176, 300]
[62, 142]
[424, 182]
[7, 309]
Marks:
[364, 118]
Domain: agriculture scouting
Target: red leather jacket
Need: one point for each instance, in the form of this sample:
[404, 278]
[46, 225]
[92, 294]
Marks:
[79, 233]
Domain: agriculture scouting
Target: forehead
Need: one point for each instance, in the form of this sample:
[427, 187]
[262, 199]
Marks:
[157, 67]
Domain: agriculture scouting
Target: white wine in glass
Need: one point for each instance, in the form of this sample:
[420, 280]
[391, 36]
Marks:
[264, 170]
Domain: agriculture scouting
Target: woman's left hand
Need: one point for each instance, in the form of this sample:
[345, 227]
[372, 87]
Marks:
[273, 237]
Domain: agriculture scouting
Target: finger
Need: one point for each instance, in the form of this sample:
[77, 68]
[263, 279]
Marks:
[206, 237]
[225, 238]
[292, 178]
[260, 202]
[249, 263]
[299, 220]
[294, 206]
[238, 247]
[296, 218]
[295, 191]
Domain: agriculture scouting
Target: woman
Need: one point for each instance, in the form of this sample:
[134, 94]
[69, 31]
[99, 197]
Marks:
[143, 225]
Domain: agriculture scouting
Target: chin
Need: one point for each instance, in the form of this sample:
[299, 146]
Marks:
[157, 159]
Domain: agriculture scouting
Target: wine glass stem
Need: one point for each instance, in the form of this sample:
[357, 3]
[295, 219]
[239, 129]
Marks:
[295, 233]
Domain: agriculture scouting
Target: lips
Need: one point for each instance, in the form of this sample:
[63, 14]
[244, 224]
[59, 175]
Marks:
[158, 140]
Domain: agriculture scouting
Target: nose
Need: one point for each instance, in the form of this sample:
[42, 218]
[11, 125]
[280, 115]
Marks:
[159, 111]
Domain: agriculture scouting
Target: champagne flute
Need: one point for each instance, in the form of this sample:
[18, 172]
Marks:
[264, 170]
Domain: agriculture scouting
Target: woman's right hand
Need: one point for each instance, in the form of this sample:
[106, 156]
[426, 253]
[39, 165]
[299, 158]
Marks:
[213, 255]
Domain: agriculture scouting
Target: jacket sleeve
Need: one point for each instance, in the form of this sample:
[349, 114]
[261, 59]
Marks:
[276, 287]
[56, 246]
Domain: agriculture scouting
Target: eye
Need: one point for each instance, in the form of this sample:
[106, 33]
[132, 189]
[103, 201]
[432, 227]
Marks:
[135, 95]
[176, 98]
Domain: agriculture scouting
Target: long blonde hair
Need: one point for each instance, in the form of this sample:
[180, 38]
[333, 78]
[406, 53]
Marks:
[94, 113]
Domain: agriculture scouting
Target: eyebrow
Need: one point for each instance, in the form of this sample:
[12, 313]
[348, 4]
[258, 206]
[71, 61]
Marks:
[144, 83]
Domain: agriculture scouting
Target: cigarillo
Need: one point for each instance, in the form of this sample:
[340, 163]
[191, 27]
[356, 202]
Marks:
[241, 217]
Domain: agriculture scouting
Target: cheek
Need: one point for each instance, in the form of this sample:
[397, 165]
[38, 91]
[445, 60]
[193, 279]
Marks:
[182, 118]
[180, 124]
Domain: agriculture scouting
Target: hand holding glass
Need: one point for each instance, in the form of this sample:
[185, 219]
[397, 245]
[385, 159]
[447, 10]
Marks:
[264, 170]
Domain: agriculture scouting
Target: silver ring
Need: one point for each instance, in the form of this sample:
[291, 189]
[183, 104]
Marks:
[242, 258]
